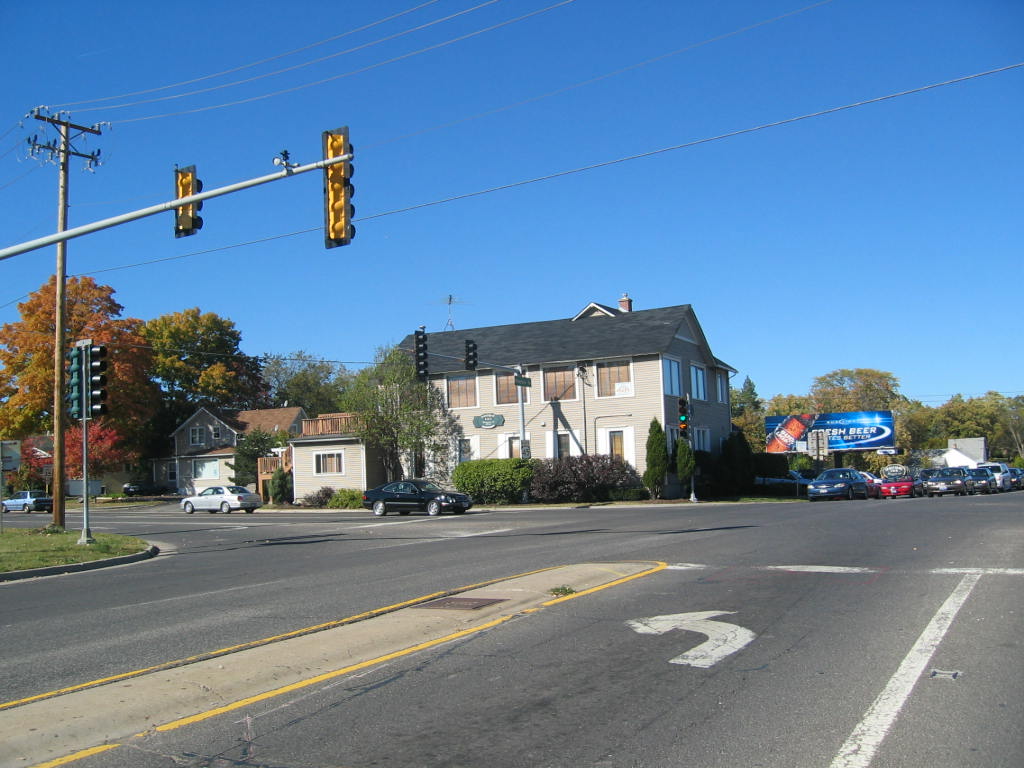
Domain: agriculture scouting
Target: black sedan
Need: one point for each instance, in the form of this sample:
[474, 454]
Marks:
[404, 496]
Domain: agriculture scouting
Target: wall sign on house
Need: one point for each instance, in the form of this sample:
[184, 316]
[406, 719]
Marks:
[488, 420]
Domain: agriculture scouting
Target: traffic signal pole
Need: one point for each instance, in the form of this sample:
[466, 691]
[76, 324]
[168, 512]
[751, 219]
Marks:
[153, 210]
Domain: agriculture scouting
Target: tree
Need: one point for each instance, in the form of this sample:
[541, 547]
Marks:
[300, 379]
[856, 389]
[197, 362]
[254, 445]
[745, 399]
[657, 460]
[686, 463]
[26, 354]
[401, 416]
[281, 491]
[107, 451]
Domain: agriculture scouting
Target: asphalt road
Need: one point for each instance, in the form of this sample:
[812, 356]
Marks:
[882, 633]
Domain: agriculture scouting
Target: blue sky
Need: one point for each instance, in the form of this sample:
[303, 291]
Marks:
[884, 236]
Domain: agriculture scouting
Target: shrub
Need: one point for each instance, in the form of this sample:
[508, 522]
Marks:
[628, 494]
[657, 459]
[281, 491]
[582, 478]
[346, 498]
[770, 464]
[319, 498]
[494, 481]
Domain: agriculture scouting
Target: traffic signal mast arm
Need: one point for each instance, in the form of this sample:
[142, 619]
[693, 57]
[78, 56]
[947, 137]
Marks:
[171, 205]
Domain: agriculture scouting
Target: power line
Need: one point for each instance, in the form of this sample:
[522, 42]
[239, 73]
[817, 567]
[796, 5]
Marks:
[582, 169]
[250, 65]
[296, 66]
[367, 68]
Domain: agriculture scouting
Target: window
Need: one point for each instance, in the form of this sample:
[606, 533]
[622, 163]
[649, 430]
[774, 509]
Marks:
[614, 379]
[671, 377]
[560, 383]
[172, 473]
[723, 387]
[329, 463]
[205, 469]
[462, 391]
[701, 439]
[513, 447]
[616, 443]
[216, 431]
[196, 436]
[561, 445]
[698, 383]
[505, 389]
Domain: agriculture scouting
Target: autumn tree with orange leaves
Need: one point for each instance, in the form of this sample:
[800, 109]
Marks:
[26, 354]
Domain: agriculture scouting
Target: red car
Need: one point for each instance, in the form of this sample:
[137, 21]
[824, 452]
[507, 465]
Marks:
[901, 486]
[874, 485]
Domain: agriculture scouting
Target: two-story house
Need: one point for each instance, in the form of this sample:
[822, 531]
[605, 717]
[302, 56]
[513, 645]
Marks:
[595, 382]
[204, 445]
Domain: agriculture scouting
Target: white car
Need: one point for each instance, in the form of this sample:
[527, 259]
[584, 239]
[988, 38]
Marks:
[222, 498]
[1002, 473]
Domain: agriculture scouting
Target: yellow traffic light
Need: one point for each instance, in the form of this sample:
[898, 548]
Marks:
[186, 219]
[338, 190]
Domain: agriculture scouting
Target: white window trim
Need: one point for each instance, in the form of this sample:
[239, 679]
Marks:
[701, 439]
[494, 394]
[544, 394]
[693, 382]
[575, 446]
[474, 447]
[632, 380]
[476, 391]
[679, 378]
[197, 436]
[504, 438]
[722, 384]
[215, 430]
[328, 453]
[216, 467]
[628, 442]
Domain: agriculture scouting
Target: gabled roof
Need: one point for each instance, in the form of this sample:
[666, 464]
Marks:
[267, 419]
[597, 332]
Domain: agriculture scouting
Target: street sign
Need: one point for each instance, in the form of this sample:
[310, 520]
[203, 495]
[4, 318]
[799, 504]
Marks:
[522, 381]
[817, 444]
[525, 449]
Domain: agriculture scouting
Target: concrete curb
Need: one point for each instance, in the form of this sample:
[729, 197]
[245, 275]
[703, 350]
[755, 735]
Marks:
[55, 570]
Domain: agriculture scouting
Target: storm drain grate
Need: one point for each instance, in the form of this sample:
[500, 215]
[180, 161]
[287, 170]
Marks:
[462, 603]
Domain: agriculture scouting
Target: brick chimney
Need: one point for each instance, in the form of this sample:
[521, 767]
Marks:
[626, 303]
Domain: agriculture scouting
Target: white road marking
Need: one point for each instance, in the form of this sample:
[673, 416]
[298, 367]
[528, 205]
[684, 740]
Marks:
[723, 640]
[865, 739]
[820, 569]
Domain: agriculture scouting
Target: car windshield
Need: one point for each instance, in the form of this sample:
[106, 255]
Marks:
[834, 474]
[932, 473]
[980, 472]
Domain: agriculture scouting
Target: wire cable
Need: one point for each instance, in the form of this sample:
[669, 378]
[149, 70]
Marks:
[250, 65]
[296, 66]
[361, 70]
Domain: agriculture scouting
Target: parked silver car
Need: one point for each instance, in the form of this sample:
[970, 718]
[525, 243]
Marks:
[222, 498]
[943, 480]
[1002, 473]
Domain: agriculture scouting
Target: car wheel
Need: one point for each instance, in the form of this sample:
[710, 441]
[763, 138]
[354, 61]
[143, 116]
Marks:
[189, 509]
[380, 508]
[26, 509]
[225, 508]
[249, 510]
[433, 508]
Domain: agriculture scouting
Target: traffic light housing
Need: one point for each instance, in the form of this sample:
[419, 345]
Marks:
[338, 190]
[471, 357]
[684, 415]
[186, 217]
[76, 371]
[422, 367]
[97, 383]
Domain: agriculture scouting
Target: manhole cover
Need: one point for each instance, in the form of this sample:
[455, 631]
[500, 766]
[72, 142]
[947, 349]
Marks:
[462, 603]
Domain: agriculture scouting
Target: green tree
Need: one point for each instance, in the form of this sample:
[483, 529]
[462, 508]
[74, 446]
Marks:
[402, 417]
[855, 389]
[745, 399]
[736, 464]
[197, 361]
[657, 460]
[686, 463]
[254, 445]
[281, 489]
[300, 379]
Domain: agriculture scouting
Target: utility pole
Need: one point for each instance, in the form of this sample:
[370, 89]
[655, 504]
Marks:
[62, 152]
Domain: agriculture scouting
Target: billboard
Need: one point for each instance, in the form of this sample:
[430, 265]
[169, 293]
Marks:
[851, 431]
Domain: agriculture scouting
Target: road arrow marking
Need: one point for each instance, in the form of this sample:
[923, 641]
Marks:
[723, 638]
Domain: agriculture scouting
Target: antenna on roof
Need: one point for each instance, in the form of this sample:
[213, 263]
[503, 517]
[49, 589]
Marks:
[450, 300]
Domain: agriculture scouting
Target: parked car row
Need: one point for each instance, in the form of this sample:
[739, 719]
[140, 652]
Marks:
[847, 483]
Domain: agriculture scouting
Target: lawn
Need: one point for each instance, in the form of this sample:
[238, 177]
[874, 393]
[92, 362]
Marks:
[21, 548]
